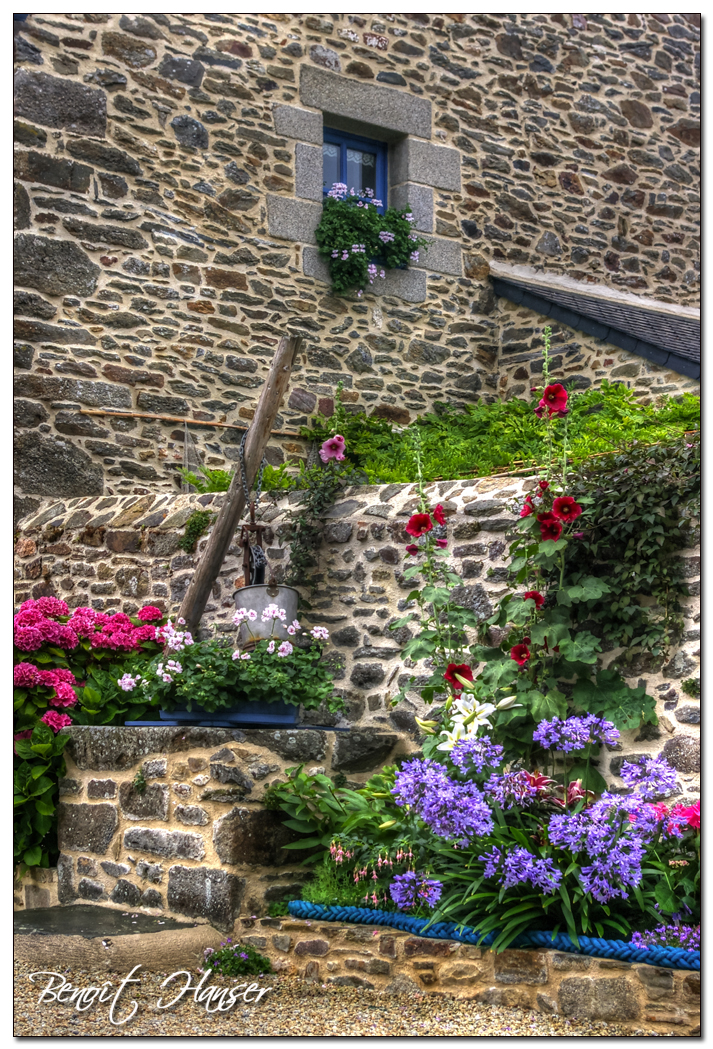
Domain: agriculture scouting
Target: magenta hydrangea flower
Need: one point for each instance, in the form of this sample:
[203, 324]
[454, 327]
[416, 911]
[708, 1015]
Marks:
[56, 721]
[333, 448]
[25, 675]
[149, 614]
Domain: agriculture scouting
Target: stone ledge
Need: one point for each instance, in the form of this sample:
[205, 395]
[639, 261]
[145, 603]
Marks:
[409, 284]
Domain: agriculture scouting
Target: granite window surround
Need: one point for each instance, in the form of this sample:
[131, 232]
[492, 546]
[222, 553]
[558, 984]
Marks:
[416, 167]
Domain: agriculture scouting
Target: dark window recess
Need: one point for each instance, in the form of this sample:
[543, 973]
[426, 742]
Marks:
[359, 163]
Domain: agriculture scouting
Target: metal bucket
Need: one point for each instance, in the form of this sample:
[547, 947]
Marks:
[258, 597]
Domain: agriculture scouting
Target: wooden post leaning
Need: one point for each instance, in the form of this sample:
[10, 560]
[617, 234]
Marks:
[233, 506]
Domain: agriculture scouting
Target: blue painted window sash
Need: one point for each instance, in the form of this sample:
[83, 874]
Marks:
[369, 145]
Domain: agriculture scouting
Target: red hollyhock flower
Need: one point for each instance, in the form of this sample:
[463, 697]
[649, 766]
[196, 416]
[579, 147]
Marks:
[555, 397]
[540, 409]
[535, 596]
[457, 668]
[419, 524]
[412, 549]
[544, 485]
[438, 515]
[528, 508]
[443, 543]
[520, 653]
[550, 527]
[566, 509]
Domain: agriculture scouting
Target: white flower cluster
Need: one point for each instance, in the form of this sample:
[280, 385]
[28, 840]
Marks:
[273, 612]
[244, 616]
[471, 716]
[128, 683]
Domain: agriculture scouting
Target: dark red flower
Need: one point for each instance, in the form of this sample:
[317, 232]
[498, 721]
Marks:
[419, 524]
[566, 509]
[412, 549]
[544, 485]
[528, 508]
[540, 409]
[463, 670]
[520, 653]
[438, 516]
[555, 397]
[443, 543]
[550, 527]
[535, 596]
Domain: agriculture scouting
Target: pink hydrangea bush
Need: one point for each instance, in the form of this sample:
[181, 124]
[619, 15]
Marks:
[69, 665]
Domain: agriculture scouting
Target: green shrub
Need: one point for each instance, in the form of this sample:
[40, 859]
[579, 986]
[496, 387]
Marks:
[692, 687]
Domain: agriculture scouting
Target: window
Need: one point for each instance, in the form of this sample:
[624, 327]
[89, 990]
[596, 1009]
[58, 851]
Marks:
[360, 163]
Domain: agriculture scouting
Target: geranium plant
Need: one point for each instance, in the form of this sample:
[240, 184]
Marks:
[213, 675]
[360, 243]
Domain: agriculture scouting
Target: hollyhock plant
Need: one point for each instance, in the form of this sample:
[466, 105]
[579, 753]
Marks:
[418, 525]
[566, 509]
[462, 670]
[412, 549]
[438, 515]
[520, 653]
[333, 448]
[550, 527]
[554, 398]
[534, 595]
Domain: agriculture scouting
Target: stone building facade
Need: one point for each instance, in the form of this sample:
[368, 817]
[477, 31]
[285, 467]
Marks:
[169, 181]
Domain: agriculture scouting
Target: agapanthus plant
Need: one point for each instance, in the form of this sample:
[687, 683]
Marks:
[519, 850]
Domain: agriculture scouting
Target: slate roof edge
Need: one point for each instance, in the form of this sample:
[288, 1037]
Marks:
[580, 322]
[541, 282]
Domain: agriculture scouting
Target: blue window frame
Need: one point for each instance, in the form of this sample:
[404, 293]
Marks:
[360, 163]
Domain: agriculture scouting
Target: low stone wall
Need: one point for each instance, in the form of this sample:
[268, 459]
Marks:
[197, 842]
[374, 957]
[120, 553]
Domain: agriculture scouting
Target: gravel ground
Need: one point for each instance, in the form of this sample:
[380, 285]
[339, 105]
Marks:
[291, 1009]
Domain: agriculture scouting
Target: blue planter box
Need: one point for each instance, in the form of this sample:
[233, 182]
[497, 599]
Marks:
[279, 713]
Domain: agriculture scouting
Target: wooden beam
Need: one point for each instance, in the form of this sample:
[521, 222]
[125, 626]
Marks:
[233, 506]
[182, 419]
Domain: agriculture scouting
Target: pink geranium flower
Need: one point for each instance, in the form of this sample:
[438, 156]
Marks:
[333, 448]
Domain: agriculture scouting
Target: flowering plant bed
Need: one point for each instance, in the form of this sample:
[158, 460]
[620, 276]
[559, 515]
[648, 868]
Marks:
[359, 243]
[211, 675]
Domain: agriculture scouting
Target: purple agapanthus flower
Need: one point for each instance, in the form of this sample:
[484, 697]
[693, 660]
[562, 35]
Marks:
[456, 811]
[650, 777]
[476, 754]
[603, 835]
[409, 889]
[519, 867]
[575, 733]
[513, 788]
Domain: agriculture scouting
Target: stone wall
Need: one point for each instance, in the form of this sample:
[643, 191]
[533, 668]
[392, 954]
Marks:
[169, 182]
[121, 552]
[197, 840]
[378, 958]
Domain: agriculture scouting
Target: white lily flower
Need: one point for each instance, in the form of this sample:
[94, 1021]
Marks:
[472, 711]
[458, 731]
